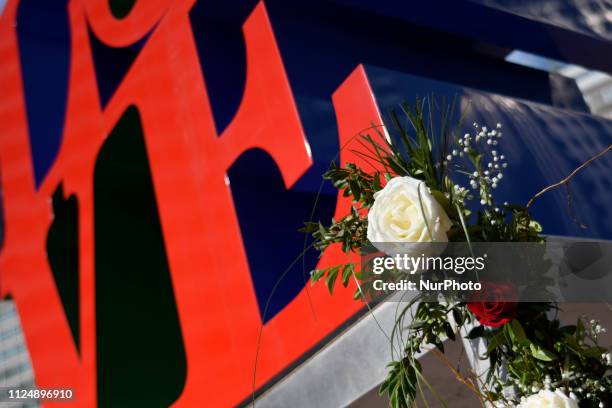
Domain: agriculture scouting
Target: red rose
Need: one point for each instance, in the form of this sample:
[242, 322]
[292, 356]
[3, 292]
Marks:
[496, 305]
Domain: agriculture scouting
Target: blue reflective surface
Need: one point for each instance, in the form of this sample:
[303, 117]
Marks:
[542, 144]
[43, 32]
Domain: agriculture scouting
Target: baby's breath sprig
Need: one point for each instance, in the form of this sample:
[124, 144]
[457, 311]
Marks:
[478, 156]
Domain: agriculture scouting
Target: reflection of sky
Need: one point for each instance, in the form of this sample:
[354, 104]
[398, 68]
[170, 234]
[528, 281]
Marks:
[533, 61]
[2, 4]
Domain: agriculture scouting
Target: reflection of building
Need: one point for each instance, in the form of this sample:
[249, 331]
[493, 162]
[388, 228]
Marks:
[156, 162]
[15, 364]
[596, 87]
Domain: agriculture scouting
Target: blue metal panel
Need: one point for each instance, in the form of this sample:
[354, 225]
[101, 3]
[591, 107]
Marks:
[543, 145]
[556, 29]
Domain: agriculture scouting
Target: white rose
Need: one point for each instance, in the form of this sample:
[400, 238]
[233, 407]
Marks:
[406, 211]
[548, 399]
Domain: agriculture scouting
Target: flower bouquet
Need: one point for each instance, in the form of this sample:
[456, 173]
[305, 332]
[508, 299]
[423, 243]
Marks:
[429, 185]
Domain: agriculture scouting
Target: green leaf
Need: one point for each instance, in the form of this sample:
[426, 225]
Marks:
[442, 200]
[376, 186]
[449, 331]
[355, 189]
[457, 317]
[475, 333]
[322, 230]
[332, 275]
[517, 332]
[416, 325]
[309, 227]
[347, 272]
[594, 352]
[579, 330]
[541, 354]
[316, 274]
[498, 339]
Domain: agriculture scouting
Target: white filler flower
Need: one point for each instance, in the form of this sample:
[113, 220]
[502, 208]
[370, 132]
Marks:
[405, 211]
[548, 399]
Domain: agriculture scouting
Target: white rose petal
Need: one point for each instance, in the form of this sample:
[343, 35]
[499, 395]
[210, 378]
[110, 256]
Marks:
[548, 399]
[406, 211]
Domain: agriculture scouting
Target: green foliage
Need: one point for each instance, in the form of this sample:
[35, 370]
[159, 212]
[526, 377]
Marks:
[430, 326]
[538, 352]
[402, 382]
[355, 183]
[533, 347]
[350, 231]
[331, 274]
[413, 151]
